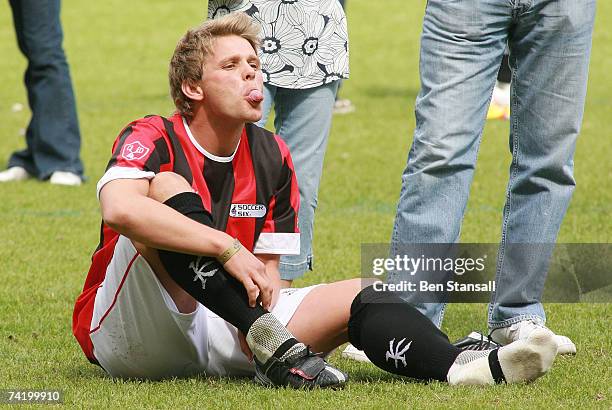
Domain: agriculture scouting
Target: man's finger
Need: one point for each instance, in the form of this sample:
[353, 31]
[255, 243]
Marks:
[263, 284]
[252, 290]
[270, 298]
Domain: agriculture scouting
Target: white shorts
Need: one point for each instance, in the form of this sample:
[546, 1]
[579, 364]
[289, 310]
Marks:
[137, 331]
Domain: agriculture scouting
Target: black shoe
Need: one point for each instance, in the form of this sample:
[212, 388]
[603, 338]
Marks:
[307, 370]
[476, 341]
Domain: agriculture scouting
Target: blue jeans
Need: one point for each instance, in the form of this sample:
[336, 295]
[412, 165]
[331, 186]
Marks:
[462, 45]
[303, 120]
[53, 137]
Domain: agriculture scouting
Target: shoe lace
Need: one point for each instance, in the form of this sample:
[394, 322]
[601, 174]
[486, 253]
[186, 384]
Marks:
[483, 344]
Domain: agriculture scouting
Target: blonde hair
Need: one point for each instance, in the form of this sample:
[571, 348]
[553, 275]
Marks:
[196, 45]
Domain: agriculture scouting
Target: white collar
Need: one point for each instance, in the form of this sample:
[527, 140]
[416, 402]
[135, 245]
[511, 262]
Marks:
[207, 154]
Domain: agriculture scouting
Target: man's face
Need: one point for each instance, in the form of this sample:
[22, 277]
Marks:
[230, 75]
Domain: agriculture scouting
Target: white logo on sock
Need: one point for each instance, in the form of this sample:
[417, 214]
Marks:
[200, 271]
[398, 353]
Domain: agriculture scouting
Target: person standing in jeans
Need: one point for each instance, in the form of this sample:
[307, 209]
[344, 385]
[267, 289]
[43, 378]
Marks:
[53, 137]
[304, 54]
[462, 45]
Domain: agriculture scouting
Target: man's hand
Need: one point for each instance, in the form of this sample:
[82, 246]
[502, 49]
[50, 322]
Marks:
[251, 272]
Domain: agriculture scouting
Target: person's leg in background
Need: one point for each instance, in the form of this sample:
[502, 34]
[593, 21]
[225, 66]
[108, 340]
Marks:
[53, 136]
[461, 49]
[550, 48]
[303, 119]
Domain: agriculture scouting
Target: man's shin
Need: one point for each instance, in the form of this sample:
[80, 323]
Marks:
[397, 338]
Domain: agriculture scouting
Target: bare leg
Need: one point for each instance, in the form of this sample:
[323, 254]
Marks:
[321, 320]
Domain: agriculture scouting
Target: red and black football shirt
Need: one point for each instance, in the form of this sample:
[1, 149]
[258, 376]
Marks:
[252, 195]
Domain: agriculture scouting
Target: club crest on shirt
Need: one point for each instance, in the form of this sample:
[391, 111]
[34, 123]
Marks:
[134, 151]
[247, 210]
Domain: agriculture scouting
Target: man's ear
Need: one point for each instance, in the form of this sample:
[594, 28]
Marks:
[192, 91]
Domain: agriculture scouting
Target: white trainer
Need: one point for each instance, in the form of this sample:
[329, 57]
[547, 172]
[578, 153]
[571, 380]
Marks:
[351, 352]
[14, 174]
[65, 178]
[522, 330]
[521, 361]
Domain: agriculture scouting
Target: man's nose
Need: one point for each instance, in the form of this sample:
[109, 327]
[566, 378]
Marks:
[249, 72]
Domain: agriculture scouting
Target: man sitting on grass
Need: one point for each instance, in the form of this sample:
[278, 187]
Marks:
[175, 288]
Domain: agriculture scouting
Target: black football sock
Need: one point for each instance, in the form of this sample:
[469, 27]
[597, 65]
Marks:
[204, 278]
[398, 338]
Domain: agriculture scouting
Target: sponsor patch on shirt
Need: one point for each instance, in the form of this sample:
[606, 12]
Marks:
[134, 151]
[247, 211]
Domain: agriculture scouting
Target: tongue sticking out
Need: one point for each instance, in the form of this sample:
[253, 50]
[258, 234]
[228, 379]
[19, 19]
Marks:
[255, 97]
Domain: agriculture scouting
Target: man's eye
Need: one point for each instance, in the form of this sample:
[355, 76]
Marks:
[229, 66]
[255, 66]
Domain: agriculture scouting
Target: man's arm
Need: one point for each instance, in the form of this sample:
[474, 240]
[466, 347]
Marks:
[127, 209]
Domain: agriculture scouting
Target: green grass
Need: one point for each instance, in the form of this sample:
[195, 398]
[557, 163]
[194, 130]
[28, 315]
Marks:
[118, 53]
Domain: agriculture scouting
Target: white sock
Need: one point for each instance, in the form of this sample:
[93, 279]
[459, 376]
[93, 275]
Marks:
[523, 360]
[471, 367]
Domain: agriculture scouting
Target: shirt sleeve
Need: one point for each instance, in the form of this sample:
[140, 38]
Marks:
[280, 233]
[139, 152]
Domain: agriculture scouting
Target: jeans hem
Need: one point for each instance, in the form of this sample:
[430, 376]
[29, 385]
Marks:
[509, 322]
[440, 317]
[291, 271]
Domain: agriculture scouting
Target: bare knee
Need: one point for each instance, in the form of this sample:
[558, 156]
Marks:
[321, 320]
[165, 185]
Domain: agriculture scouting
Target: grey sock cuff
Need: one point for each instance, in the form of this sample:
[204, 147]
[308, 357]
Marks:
[266, 336]
[470, 355]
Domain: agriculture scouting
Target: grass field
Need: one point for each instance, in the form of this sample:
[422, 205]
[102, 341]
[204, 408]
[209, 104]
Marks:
[118, 52]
